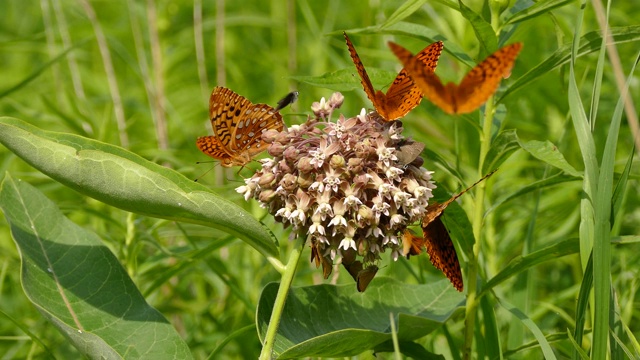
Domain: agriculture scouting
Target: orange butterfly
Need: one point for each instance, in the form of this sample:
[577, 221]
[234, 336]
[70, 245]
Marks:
[403, 95]
[474, 90]
[237, 126]
[437, 240]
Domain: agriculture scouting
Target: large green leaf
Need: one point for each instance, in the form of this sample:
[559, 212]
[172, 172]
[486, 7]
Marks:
[348, 79]
[78, 284]
[120, 178]
[549, 153]
[337, 321]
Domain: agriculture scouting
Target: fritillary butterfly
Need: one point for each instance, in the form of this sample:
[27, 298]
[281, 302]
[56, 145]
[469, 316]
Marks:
[437, 240]
[474, 90]
[403, 95]
[237, 125]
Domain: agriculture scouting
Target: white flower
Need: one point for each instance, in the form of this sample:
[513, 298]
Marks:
[347, 243]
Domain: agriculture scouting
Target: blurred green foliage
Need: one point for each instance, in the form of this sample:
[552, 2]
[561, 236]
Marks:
[255, 48]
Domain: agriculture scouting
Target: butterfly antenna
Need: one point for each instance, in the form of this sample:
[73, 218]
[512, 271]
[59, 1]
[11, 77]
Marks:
[474, 184]
[206, 172]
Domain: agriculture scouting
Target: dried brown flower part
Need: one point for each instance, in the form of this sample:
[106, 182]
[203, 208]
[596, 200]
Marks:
[341, 185]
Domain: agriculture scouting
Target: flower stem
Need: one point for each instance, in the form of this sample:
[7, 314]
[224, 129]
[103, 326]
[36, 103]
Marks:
[472, 269]
[278, 305]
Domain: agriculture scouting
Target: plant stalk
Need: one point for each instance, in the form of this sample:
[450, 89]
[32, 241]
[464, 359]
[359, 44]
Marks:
[278, 305]
[472, 269]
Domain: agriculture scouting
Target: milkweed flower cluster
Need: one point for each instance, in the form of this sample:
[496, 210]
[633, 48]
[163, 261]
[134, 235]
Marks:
[342, 185]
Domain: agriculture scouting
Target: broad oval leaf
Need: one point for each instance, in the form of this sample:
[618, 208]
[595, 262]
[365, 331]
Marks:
[338, 321]
[125, 180]
[79, 285]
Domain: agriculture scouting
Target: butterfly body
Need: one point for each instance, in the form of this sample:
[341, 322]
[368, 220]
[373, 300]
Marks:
[238, 125]
[403, 94]
[474, 89]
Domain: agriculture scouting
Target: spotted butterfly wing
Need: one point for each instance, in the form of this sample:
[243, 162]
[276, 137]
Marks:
[474, 89]
[403, 94]
[441, 251]
[437, 241]
[237, 125]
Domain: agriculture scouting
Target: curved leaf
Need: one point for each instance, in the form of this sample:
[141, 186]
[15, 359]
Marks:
[501, 148]
[79, 285]
[548, 152]
[537, 9]
[122, 179]
[347, 79]
[483, 30]
[337, 321]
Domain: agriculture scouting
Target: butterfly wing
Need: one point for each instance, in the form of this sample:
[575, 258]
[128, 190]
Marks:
[365, 276]
[441, 252]
[425, 79]
[404, 95]
[483, 80]
[212, 147]
[411, 244]
[377, 98]
[237, 125]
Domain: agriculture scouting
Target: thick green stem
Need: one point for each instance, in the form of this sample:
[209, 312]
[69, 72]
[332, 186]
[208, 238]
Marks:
[472, 269]
[278, 305]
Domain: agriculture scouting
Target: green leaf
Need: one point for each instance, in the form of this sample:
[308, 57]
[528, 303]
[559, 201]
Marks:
[79, 286]
[501, 148]
[531, 325]
[348, 79]
[546, 182]
[36, 73]
[122, 179]
[409, 349]
[537, 9]
[582, 311]
[337, 321]
[590, 43]
[484, 32]
[404, 11]
[457, 223]
[548, 152]
[618, 192]
[419, 32]
[492, 344]
[521, 263]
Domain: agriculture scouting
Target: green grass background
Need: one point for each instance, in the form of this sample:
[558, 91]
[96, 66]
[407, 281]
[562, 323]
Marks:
[255, 48]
